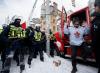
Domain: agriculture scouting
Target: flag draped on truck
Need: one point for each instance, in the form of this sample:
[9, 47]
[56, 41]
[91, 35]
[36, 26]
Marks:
[63, 21]
[60, 35]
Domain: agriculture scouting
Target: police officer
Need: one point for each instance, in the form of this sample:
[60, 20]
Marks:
[9, 36]
[28, 43]
[13, 35]
[18, 44]
[37, 39]
[96, 32]
[1, 40]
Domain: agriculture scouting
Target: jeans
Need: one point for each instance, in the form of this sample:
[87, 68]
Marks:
[74, 54]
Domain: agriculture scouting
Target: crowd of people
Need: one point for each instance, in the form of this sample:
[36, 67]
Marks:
[16, 43]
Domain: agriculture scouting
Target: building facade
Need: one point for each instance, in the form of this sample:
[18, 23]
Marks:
[53, 17]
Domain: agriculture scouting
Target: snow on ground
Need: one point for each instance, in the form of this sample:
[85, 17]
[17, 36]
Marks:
[49, 67]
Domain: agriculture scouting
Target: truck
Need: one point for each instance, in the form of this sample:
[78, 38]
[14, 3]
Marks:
[65, 49]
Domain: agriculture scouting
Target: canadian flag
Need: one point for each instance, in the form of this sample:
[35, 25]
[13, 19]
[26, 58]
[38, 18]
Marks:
[23, 25]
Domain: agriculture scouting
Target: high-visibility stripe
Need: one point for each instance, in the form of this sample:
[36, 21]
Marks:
[1, 30]
[16, 32]
[38, 36]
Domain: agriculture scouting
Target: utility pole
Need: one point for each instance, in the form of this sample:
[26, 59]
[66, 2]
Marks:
[31, 13]
[48, 25]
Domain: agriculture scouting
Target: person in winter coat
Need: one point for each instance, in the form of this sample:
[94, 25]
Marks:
[96, 32]
[11, 36]
[37, 39]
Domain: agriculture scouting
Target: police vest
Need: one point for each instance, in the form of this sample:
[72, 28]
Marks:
[37, 36]
[16, 32]
[1, 30]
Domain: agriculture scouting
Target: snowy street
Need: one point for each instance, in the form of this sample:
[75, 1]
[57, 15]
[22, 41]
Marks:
[61, 27]
[48, 66]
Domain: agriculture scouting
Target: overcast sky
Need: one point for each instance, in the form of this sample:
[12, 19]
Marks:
[23, 7]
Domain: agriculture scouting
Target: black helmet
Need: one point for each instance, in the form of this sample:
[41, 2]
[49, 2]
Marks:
[37, 27]
[4, 26]
[16, 20]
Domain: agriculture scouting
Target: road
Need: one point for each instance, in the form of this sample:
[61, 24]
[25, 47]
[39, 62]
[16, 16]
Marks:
[48, 66]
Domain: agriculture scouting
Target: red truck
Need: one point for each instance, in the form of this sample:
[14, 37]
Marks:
[83, 14]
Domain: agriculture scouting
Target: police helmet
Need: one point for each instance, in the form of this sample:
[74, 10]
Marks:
[4, 26]
[16, 17]
[37, 27]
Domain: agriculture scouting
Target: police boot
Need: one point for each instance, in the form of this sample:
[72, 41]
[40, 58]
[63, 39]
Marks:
[7, 65]
[42, 59]
[2, 65]
[22, 67]
[99, 70]
[74, 70]
[52, 55]
[18, 63]
[6, 71]
[29, 61]
[35, 56]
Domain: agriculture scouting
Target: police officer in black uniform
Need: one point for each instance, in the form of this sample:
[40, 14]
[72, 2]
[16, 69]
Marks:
[3, 45]
[96, 32]
[37, 39]
[19, 46]
[11, 36]
[28, 42]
